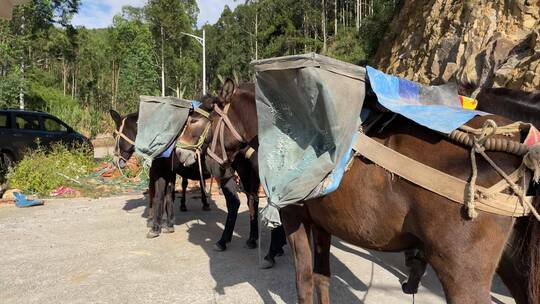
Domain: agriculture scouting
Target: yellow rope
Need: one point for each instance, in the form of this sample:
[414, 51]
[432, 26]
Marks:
[199, 143]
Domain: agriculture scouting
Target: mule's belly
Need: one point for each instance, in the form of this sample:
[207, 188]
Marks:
[367, 210]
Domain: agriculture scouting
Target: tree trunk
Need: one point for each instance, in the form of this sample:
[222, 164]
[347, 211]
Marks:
[357, 15]
[73, 81]
[64, 75]
[335, 18]
[323, 21]
[117, 79]
[113, 84]
[257, 35]
[162, 63]
[21, 91]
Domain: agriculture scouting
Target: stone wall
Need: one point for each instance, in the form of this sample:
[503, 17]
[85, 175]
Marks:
[493, 43]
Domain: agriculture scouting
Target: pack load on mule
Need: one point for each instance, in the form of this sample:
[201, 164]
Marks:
[311, 109]
[161, 119]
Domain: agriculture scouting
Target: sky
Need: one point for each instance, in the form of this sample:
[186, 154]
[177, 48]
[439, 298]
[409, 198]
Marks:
[99, 13]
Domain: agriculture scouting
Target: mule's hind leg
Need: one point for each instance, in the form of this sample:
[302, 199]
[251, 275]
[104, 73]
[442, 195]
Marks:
[321, 269]
[183, 207]
[417, 264]
[297, 228]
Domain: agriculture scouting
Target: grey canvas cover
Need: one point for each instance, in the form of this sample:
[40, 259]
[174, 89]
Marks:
[160, 121]
[308, 109]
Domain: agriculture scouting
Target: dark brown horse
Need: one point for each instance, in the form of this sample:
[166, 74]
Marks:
[375, 210]
[242, 158]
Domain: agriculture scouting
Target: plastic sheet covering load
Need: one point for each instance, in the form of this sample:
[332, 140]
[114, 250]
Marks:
[438, 108]
[160, 121]
[308, 107]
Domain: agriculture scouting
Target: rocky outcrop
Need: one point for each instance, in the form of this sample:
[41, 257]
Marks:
[492, 43]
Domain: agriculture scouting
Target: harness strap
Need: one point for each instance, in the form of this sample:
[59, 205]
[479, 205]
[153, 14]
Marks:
[202, 112]
[120, 130]
[223, 122]
[225, 118]
[439, 182]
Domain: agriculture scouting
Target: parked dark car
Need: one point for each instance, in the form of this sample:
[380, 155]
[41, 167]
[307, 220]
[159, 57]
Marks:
[21, 130]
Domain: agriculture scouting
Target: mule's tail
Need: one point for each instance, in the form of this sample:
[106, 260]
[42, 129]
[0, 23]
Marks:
[532, 254]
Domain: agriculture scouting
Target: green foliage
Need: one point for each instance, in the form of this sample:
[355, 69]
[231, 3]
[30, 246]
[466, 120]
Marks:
[79, 74]
[42, 171]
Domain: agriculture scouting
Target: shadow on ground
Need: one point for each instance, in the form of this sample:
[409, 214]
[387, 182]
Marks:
[231, 267]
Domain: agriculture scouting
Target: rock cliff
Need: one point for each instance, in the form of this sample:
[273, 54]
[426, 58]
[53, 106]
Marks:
[492, 43]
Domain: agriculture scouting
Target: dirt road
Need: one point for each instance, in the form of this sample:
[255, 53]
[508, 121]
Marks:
[95, 251]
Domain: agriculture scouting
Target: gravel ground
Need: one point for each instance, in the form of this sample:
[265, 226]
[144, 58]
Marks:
[95, 251]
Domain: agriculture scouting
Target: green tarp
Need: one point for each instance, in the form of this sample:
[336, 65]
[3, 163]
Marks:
[308, 108]
[161, 119]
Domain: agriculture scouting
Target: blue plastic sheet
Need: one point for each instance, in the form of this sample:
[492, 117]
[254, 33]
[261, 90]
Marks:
[435, 107]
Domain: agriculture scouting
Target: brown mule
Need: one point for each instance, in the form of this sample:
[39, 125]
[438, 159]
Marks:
[241, 156]
[376, 210]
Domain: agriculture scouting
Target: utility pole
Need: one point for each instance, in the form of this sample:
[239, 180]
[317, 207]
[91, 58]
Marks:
[162, 64]
[202, 42]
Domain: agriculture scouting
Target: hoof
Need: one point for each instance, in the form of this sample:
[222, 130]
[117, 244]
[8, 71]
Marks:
[152, 234]
[251, 244]
[219, 247]
[183, 208]
[280, 252]
[168, 229]
[268, 263]
[407, 289]
[206, 207]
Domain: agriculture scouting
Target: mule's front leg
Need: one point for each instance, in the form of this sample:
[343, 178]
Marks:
[183, 207]
[297, 228]
[229, 189]
[205, 205]
[160, 186]
[321, 242]
[169, 204]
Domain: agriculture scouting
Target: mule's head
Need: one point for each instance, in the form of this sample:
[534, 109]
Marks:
[124, 137]
[198, 121]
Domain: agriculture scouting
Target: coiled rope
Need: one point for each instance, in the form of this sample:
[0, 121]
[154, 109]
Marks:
[481, 140]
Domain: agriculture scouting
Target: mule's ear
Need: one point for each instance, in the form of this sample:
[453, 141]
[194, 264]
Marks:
[227, 90]
[117, 118]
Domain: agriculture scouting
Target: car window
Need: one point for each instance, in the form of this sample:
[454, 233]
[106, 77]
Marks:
[4, 121]
[27, 122]
[53, 125]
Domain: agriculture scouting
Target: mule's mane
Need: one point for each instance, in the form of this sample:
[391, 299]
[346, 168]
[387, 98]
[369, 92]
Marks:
[207, 102]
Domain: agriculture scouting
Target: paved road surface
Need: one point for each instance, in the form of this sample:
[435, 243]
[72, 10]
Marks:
[95, 251]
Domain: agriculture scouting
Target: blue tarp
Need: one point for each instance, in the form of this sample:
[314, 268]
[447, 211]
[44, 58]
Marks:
[435, 107]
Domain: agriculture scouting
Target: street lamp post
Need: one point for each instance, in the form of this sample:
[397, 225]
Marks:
[202, 41]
